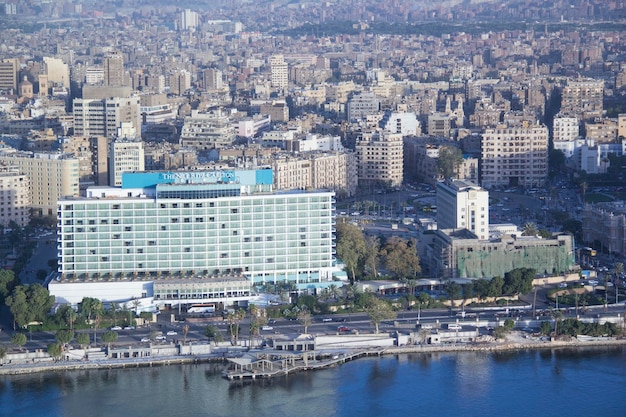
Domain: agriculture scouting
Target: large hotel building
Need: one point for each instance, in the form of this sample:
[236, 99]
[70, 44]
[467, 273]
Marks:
[175, 236]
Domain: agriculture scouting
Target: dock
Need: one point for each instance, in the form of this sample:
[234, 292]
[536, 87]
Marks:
[266, 365]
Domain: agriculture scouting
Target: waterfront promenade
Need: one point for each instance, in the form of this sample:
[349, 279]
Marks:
[317, 359]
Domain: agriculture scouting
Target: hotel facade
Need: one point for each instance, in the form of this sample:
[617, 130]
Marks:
[164, 228]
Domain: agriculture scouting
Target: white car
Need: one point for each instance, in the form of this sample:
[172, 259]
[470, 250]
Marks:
[160, 337]
[116, 328]
[172, 333]
[267, 328]
[129, 328]
[145, 339]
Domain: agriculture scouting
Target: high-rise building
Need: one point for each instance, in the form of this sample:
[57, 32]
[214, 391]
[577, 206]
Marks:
[8, 75]
[14, 197]
[565, 132]
[515, 156]
[279, 71]
[380, 158]
[58, 72]
[213, 79]
[204, 226]
[188, 20]
[50, 176]
[125, 156]
[102, 117]
[463, 205]
[114, 75]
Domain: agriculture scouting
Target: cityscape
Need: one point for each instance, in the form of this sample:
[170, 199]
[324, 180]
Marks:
[239, 181]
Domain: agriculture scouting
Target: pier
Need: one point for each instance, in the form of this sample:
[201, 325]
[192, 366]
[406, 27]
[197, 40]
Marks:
[268, 365]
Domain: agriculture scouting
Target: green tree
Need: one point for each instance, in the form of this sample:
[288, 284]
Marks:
[530, 229]
[500, 332]
[91, 309]
[108, 338]
[7, 283]
[448, 162]
[509, 324]
[55, 350]
[452, 290]
[64, 337]
[351, 247]
[379, 310]
[3, 353]
[213, 333]
[68, 315]
[82, 339]
[372, 253]
[518, 281]
[18, 339]
[29, 303]
[401, 257]
[546, 328]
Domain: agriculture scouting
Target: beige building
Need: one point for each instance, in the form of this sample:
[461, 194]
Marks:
[279, 70]
[380, 158]
[51, 176]
[583, 98]
[317, 170]
[205, 131]
[14, 197]
[58, 72]
[114, 75]
[602, 131]
[463, 205]
[515, 156]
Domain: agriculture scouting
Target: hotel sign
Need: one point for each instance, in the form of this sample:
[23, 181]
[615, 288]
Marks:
[199, 176]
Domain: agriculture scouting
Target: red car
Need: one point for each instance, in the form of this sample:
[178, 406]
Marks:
[343, 329]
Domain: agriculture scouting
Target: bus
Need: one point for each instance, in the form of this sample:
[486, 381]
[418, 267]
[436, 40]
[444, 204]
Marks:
[589, 251]
[201, 308]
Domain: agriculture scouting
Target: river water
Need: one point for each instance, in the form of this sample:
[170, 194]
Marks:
[560, 382]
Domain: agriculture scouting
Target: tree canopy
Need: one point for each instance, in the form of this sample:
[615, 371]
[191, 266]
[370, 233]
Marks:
[351, 247]
[449, 160]
[401, 257]
[29, 303]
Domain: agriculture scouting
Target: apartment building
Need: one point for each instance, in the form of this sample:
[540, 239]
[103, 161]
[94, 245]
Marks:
[605, 223]
[515, 156]
[279, 71]
[205, 131]
[14, 197]
[102, 117]
[380, 158]
[9, 75]
[583, 98]
[51, 176]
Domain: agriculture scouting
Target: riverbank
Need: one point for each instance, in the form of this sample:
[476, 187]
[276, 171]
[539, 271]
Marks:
[513, 342]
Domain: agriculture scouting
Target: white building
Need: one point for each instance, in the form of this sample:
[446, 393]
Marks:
[463, 205]
[362, 105]
[207, 226]
[279, 71]
[125, 156]
[403, 123]
[102, 117]
[14, 197]
[188, 20]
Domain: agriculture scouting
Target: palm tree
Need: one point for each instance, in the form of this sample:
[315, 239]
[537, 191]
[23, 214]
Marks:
[185, 331]
[618, 270]
[530, 229]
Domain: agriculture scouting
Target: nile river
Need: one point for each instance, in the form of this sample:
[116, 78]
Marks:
[563, 382]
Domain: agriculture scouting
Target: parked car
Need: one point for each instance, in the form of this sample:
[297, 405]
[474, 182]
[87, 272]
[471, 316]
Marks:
[172, 333]
[145, 339]
[160, 337]
[116, 328]
[129, 328]
[343, 329]
[267, 328]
